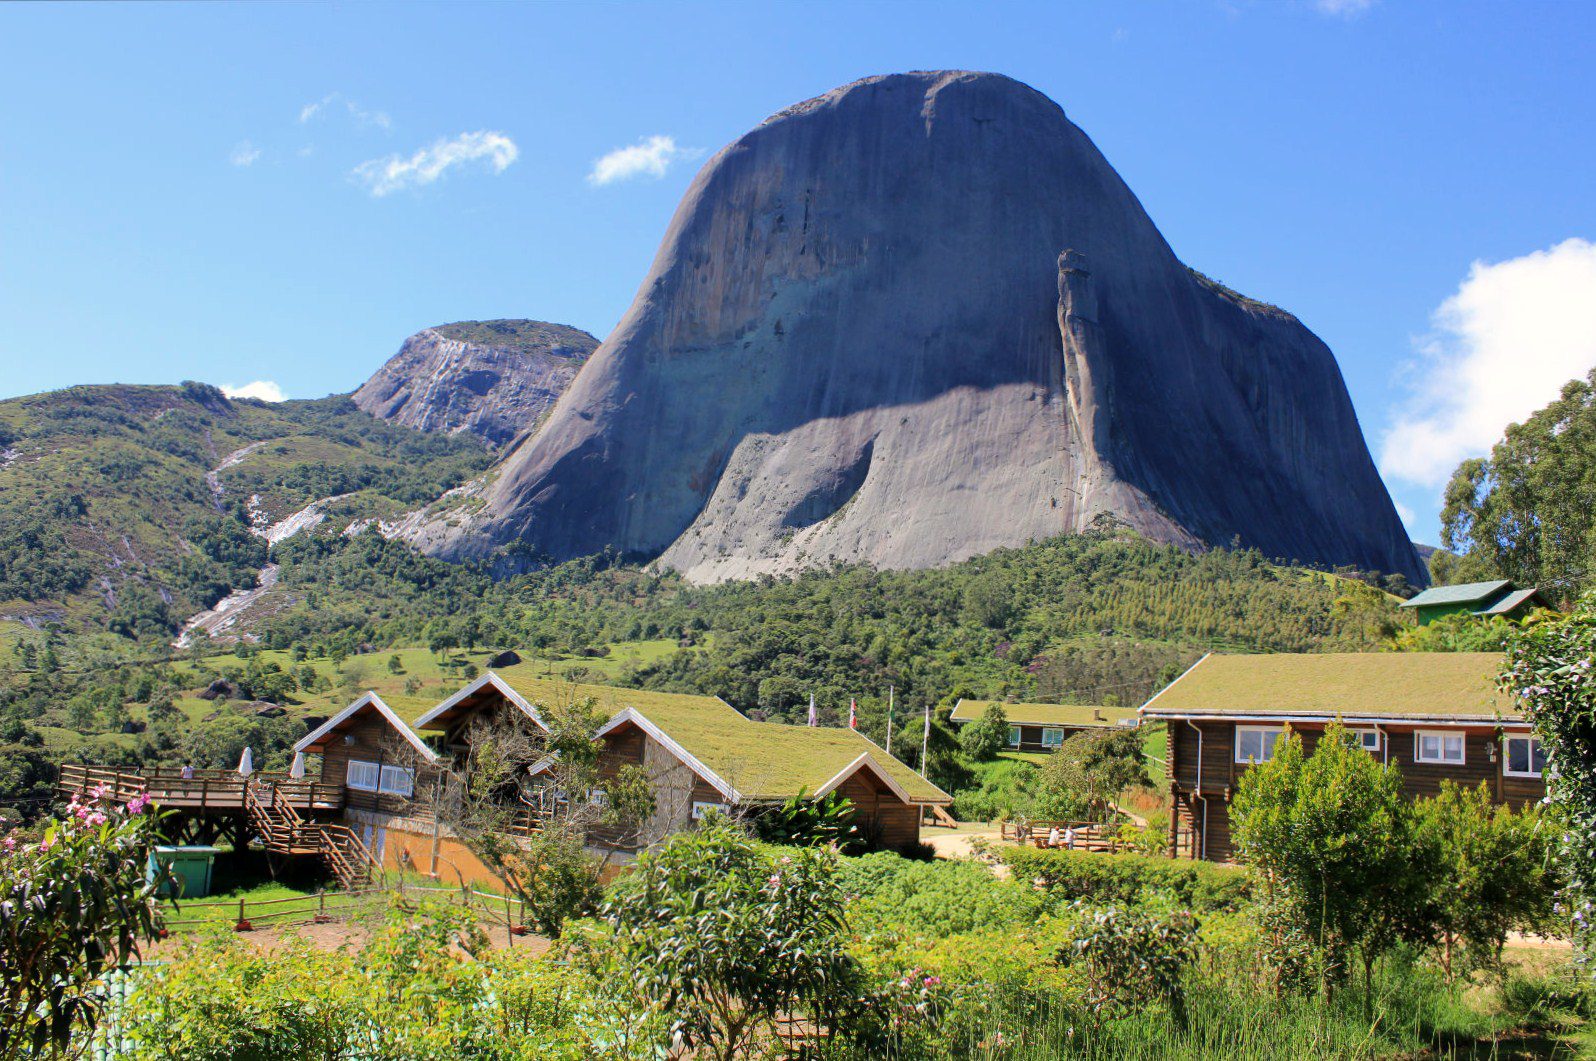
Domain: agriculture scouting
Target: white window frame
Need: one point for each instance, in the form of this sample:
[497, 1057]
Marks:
[367, 778]
[1264, 755]
[1507, 759]
[703, 807]
[1016, 736]
[1443, 736]
[1052, 736]
[397, 781]
[1362, 740]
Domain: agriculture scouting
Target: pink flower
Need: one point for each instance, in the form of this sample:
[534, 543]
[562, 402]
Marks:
[96, 819]
[138, 803]
[99, 791]
[10, 843]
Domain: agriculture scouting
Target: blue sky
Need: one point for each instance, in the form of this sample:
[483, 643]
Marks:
[242, 193]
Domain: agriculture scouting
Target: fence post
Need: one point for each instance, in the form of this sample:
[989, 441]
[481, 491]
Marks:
[241, 911]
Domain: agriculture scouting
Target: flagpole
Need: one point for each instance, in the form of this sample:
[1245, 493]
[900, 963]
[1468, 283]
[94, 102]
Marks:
[925, 739]
[889, 720]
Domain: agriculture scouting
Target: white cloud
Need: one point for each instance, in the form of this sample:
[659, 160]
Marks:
[1500, 348]
[264, 389]
[1405, 514]
[338, 101]
[384, 175]
[244, 154]
[1343, 8]
[646, 158]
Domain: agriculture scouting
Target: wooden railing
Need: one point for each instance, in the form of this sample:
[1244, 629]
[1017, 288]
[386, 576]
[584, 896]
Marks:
[346, 853]
[204, 790]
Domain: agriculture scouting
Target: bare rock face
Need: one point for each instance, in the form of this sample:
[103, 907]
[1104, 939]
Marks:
[492, 378]
[918, 318]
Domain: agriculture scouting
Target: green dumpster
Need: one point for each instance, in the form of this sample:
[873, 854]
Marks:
[191, 866]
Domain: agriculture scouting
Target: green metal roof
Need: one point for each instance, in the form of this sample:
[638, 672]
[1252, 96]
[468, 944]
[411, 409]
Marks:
[1467, 593]
[1363, 684]
[1077, 715]
[1513, 601]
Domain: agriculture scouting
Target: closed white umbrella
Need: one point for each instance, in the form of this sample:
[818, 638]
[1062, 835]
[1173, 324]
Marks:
[246, 763]
[297, 770]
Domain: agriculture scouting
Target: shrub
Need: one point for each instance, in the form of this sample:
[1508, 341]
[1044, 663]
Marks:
[74, 906]
[1104, 879]
[935, 898]
[1131, 957]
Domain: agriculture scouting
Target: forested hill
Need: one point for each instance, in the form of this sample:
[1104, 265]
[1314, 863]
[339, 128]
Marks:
[129, 508]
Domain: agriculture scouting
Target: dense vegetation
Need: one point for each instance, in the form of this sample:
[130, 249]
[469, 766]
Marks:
[1528, 511]
[110, 520]
[744, 950]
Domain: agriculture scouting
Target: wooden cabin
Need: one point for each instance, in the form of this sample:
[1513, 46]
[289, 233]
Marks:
[1043, 727]
[699, 753]
[1436, 715]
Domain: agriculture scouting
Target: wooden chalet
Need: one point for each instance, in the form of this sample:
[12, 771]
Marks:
[1043, 727]
[374, 776]
[1436, 715]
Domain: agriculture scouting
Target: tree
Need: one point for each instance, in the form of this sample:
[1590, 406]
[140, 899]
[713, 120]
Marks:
[1488, 871]
[727, 937]
[1529, 510]
[1088, 771]
[986, 736]
[1551, 670]
[486, 799]
[1333, 832]
[805, 822]
[75, 904]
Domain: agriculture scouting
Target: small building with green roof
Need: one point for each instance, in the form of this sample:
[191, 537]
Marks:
[1497, 597]
[1043, 727]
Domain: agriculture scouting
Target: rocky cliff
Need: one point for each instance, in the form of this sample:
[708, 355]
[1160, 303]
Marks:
[918, 318]
[494, 379]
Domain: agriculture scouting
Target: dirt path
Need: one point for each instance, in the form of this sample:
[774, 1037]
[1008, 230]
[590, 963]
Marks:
[956, 844]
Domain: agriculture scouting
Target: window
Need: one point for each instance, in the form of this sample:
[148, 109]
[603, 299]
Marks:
[1367, 739]
[1431, 746]
[362, 776]
[398, 780]
[1256, 743]
[1524, 756]
[1052, 737]
[701, 808]
[1014, 736]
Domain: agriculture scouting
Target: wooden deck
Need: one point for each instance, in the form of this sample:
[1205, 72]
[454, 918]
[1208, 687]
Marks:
[208, 790]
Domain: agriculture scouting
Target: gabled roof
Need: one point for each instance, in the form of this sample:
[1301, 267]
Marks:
[747, 760]
[1467, 593]
[1078, 715]
[316, 740]
[1455, 686]
[469, 697]
[1515, 600]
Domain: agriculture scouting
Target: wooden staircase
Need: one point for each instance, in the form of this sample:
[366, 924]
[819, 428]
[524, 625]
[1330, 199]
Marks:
[284, 832]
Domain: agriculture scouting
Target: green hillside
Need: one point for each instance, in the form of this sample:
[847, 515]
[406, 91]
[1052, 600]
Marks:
[129, 508]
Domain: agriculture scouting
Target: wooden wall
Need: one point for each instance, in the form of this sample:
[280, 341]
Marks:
[375, 742]
[1221, 774]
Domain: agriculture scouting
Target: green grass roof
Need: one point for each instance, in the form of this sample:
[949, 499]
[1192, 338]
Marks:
[1363, 684]
[1466, 593]
[1045, 714]
[761, 760]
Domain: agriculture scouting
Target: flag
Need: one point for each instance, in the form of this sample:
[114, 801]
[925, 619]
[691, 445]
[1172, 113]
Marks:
[853, 714]
[814, 719]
